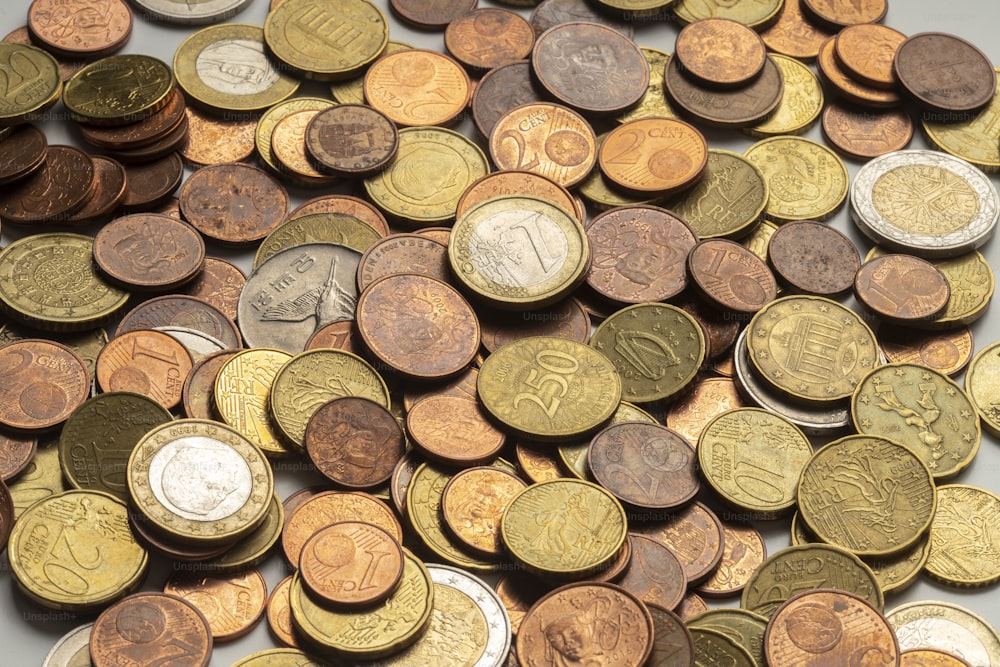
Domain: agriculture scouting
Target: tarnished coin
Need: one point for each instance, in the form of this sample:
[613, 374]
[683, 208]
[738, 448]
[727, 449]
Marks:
[805, 179]
[654, 573]
[453, 430]
[58, 189]
[206, 11]
[16, 455]
[813, 258]
[699, 52]
[252, 206]
[212, 140]
[947, 352]
[289, 153]
[403, 253]
[146, 626]
[355, 442]
[434, 16]
[902, 289]
[144, 133]
[44, 382]
[488, 37]
[119, 89]
[359, 208]
[219, 283]
[840, 14]
[110, 188]
[792, 35]
[741, 107]
[653, 156]
[693, 533]
[705, 399]
[182, 312]
[867, 51]
[150, 185]
[743, 552]
[712, 647]
[76, 30]
[502, 89]
[24, 150]
[852, 90]
[731, 277]
[338, 335]
[920, 66]
[961, 552]
[149, 252]
[472, 504]
[565, 319]
[147, 362]
[947, 627]
[332, 140]
[232, 605]
[550, 13]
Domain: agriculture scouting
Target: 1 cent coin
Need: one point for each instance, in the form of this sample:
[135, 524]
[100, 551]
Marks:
[730, 276]
[149, 252]
[151, 363]
[902, 289]
[489, 37]
[232, 605]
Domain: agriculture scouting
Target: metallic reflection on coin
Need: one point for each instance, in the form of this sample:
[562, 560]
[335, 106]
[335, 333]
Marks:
[192, 13]
[73, 650]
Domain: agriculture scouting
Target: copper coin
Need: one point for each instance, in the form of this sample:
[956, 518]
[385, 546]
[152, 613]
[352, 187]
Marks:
[827, 627]
[199, 385]
[234, 204]
[16, 453]
[219, 283]
[691, 606]
[431, 15]
[340, 335]
[149, 252]
[538, 463]
[929, 657]
[731, 277]
[422, 328]
[590, 67]
[550, 13]
[145, 362]
[400, 85]
[720, 52]
[354, 442]
[574, 624]
[144, 627]
[110, 188]
[613, 571]
[720, 328]
[563, 319]
[288, 149]
[944, 74]
[743, 552]
[338, 203]
[463, 386]
[488, 37]
[401, 477]
[843, 84]
[653, 156]
[329, 507]
[500, 90]
[351, 564]
[866, 134]
[80, 28]
[695, 536]
[654, 574]
[454, 431]
[58, 189]
[842, 13]
[706, 398]
[867, 50]
[161, 148]
[639, 254]
[511, 182]
[644, 465]
[403, 253]
[292, 502]
[945, 351]
[792, 35]
[176, 310]
[279, 613]
[902, 288]
[232, 604]
[214, 140]
[740, 107]
[672, 642]
[21, 152]
[813, 258]
[517, 591]
[67, 68]
[6, 514]
[170, 207]
[44, 382]
[351, 140]
[151, 184]
[472, 503]
[141, 133]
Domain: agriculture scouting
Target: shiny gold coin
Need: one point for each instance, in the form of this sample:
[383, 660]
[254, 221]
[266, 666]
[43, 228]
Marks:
[119, 89]
[801, 102]
[242, 387]
[805, 179]
[415, 87]
[33, 85]
[963, 554]
[549, 388]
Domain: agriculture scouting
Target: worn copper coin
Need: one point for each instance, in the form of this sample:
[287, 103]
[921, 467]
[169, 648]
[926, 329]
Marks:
[279, 613]
[866, 134]
[340, 203]
[44, 382]
[730, 276]
[472, 503]
[145, 362]
[792, 35]
[351, 140]
[654, 573]
[288, 150]
[354, 442]
[182, 311]
[110, 188]
[141, 133]
[590, 67]
[232, 605]
[145, 627]
[151, 184]
[564, 319]
[720, 52]
[149, 252]
[740, 107]
[16, 453]
[219, 283]
[842, 13]
[199, 385]
[902, 289]
[501, 89]
[235, 204]
[550, 13]
[488, 37]
[403, 253]
[513, 182]
[22, 152]
[653, 156]
[707, 397]
[80, 29]
[944, 74]
[454, 431]
[867, 51]
[341, 335]
[430, 15]
[214, 140]
[743, 552]
[831, 73]
[58, 189]
[694, 534]
[813, 258]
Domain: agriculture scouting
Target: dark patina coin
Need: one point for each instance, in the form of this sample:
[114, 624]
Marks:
[501, 90]
[22, 152]
[182, 311]
[110, 188]
[59, 188]
[739, 107]
[149, 252]
[151, 184]
[813, 258]
[944, 74]
[234, 204]
[351, 140]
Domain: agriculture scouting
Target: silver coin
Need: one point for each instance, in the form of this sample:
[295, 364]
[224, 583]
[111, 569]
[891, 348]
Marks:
[72, 650]
[198, 343]
[820, 423]
[947, 627]
[190, 12]
[295, 292]
[924, 203]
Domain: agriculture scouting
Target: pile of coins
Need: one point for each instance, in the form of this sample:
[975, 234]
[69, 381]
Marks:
[539, 390]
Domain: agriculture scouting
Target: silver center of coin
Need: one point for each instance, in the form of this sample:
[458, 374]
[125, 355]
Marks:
[518, 248]
[200, 479]
[236, 67]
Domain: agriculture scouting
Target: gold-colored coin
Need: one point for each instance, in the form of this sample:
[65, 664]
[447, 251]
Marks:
[728, 200]
[251, 550]
[976, 140]
[117, 90]
[352, 91]
[656, 348]
[372, 632]
[312, 378]
[326, 40]
[636, 10]
[805, 179]
[226, 68]
[757, 240]
[341, 228]
[964, 552]
[242, 387]
[800, 105]
[744, 627]
[982, 382]
[50, 281]
[548, 388]
[574, 455]
[758, 14]
[867, 494]
[753, 459]
[564, 529]
[36, 86]
[277, 657]
[922, 409]
[654, 102]
[712, 647]
[811, 348]
[416, 87]
[41, 478]
[75, 551]
[273, 116]
[514, 264]
[433, 168]
[200, 482]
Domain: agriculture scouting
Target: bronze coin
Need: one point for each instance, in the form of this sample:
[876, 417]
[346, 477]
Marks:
[944, 74]
[563, 319]
[454, 431]
[338, 203]
[902, 289]
[464, 386]
[792, 35]
[214, 140]
[399, 85]
[44, 382]
[56, 190]
[16, 453]
[401, 477]
[720, 52]
[6, 514]
[517, 591]
[844, 85]
[653, 157]
[644, 465]
[866, 134]
[691, 606]
[422, 328]
[672, 642]
[550, 13]
[340, 335]
[740, 107]
[141, 133]
[614, 570]
[151, 184]
[170, 207]
[720, 328]
[501, 90]
[944, 351]
[144, 627]
[67, 67]
[354, 442]
[219, 283]
[706, 398]
[813, 258]
[199, 385]
[472, 503]
[430, 15]
[842, 13]
[743, 552]
[351, 140]
[654, 574]
[731, 277]
[149, 252]
[235, 204]
[145, 362]
[695, 536]
[176, 310]
[488, 37]
[403, 253]
[866, 51]
[590, 67]
[80, 28]
[279, 613]
[22, 152]
[512, 182]
[930, 657]
[639, 254]
[161, 148]
[232, 604]
[110, 188]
